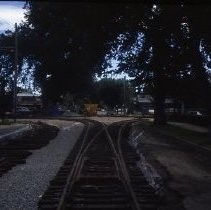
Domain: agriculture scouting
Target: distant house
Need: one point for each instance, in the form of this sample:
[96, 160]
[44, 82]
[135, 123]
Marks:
[144, 103]
[29, 100]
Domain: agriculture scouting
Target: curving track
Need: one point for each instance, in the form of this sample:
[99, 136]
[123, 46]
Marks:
[101, 173]
[16, 151]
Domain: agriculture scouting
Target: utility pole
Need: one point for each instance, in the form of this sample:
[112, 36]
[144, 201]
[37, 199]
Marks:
[15, 74]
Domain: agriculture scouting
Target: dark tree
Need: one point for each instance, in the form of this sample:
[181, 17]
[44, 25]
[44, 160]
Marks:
[68, 42]
[113, 92]
[171, 33]
[6, 71]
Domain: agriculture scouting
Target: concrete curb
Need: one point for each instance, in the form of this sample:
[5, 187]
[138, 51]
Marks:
[13, 134]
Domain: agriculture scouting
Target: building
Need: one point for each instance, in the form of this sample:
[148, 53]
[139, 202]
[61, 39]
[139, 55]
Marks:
[144, 103]
[29, 100]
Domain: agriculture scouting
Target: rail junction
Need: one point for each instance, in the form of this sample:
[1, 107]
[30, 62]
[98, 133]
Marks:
[101, 173]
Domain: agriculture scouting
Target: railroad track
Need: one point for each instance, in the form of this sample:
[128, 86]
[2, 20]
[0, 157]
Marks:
[100, 173]
[16, 151]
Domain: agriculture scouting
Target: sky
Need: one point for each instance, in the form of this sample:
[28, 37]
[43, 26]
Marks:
[11, 12]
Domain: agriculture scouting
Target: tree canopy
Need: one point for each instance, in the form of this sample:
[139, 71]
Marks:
[164, 46]
[164, 51]
[66, 42]
[113, 92]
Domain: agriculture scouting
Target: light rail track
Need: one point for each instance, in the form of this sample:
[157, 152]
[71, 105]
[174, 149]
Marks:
[16, 151]
[101, 173]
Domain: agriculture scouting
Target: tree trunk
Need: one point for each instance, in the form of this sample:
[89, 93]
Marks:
[159, 53]
[182, 107]
[159, 107]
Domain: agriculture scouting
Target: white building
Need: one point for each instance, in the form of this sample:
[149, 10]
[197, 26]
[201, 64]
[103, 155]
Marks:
[28, 99]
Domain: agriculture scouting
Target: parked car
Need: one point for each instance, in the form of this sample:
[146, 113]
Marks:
[110, 112]
[102, 112]
[151, 111]
[195, 113]
[23, 110]
[34, 110]
[61, 110]
[9, 114]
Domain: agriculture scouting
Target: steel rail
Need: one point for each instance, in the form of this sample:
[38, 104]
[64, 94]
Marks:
[123, 167]
[64, 192]
[76, 167]
[97, 144]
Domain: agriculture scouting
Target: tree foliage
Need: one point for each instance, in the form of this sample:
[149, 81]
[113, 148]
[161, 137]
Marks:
[165, 47]
[6, 72]
[67, 42]
[168, 58]
[113, 92]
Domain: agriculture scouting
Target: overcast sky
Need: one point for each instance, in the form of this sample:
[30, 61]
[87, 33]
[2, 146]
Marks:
[11, 12]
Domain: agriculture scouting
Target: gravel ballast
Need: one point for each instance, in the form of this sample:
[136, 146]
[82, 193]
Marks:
[184, 168]
[22, 187]
[13, 131]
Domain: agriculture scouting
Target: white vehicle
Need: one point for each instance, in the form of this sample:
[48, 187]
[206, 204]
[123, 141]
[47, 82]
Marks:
[102, 112]
[23, 110]
[151, 111]
[195, 113]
